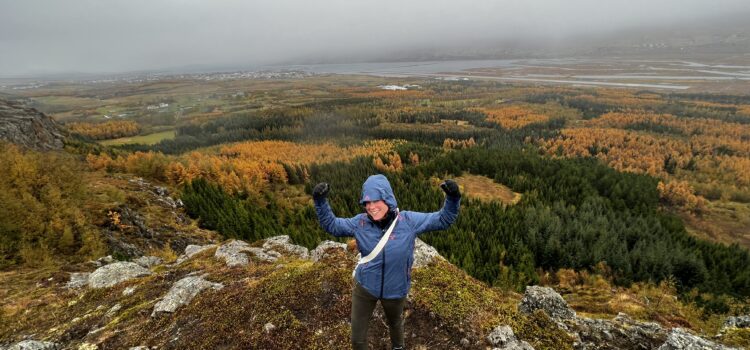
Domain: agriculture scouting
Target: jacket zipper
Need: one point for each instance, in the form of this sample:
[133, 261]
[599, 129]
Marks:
[382, 273]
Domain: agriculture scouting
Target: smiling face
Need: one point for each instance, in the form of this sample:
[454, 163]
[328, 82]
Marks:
[376, 209]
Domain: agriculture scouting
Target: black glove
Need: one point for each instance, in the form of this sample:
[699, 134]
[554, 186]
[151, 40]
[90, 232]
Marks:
[320, 191]
[450, 188]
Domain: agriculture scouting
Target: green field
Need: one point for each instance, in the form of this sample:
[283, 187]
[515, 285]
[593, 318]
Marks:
[149, 139]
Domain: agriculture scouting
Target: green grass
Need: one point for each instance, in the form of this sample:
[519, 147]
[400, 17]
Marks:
[149, 139]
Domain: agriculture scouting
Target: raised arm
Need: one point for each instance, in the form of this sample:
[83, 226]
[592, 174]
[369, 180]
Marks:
[338, 227]
[439, 220]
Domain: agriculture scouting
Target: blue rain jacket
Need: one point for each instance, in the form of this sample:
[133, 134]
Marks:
[388, 276]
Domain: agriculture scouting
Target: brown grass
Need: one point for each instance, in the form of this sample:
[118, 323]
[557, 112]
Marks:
[483, 188]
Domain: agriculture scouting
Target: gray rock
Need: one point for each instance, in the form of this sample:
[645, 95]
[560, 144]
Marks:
[325, 248]
[424, 254]
[193, 249]
[148, 261]
[112, 274]
[264, 255]
[736, 322]
[182, 292]
[78, 280]
[234, 253]
[139, 348]
[282, 244]
[622, 332]
[548, 300]
[680, 339]
[545, 298]
[503, 338]
[29, 128]
[117, 245]
[128, 291]
[34, 345]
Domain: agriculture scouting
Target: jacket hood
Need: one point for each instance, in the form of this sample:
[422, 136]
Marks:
[377, 187]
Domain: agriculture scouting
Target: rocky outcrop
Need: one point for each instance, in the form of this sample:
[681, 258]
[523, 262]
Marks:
[621, 332]
[282, 245]
[193, 249]
[33, 345]
[736, 322]
[112, 274]
[326, 249]
[182, 292]
[545, 298]
[503, 338]
[424, 254]
[148, 261]
[680, 339]
[29, 128]
[234, 253]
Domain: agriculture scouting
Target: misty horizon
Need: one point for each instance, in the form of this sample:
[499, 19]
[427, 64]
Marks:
[89, 37]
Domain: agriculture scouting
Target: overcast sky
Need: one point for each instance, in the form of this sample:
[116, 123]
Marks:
[96, 36]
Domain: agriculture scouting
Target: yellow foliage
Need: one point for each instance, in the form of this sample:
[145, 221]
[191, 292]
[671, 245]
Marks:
[680, 194]
[41, 196]
[107, 130]
[513, 117]
[458, 144]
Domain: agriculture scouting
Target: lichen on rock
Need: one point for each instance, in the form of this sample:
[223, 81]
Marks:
[112, 274]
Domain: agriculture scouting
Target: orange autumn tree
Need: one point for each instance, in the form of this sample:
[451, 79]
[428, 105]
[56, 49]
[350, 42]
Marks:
[513, 117]
[107, 130]
[246, 167]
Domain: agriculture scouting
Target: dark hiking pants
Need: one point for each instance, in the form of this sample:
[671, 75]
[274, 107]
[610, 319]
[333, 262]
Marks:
[363, 304]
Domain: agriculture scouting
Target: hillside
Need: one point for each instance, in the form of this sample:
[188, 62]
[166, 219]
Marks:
[605, 196]
[271, 293]
[29, 127]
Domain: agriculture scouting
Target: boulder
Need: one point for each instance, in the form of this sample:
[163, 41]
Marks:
[148, 261]
[325, 249]
[736, 322]
[503, 338]
[424, 254]
[282, 244]
[264, 255]
[680, 339]
[234, 253]
[193, 249]
[621, 332]
[545, 298]
[182, 292]
[78, 280]
[34, 345]
[112, 274]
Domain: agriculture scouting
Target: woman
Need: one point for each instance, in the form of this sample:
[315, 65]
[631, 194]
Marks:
[385, 237]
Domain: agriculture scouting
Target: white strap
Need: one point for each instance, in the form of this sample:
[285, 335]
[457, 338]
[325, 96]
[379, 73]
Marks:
[378, 247]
